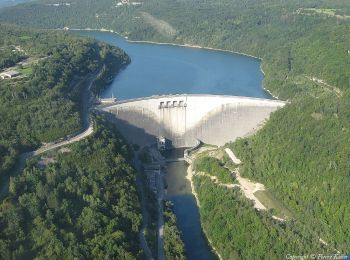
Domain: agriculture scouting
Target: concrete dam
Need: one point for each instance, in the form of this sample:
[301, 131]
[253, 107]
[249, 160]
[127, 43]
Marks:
[183, 119]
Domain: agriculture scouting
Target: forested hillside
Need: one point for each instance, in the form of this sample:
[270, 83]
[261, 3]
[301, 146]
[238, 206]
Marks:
[302, 154]
[43, 103]
[238, 231]
[78, 202]
[297, 39]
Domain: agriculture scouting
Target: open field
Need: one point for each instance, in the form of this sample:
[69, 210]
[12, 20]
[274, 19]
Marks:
[271, 202]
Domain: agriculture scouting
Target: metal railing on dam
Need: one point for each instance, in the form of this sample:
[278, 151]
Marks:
[184, 118]
[118, 102]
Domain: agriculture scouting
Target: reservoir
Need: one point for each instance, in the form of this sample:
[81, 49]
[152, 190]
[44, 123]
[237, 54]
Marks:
[167, 69]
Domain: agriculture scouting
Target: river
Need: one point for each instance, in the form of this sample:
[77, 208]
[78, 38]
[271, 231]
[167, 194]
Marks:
[187, 213]
[167, 69]
[185, 208]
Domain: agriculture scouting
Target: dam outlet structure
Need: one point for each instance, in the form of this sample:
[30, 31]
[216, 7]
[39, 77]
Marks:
[185, 118]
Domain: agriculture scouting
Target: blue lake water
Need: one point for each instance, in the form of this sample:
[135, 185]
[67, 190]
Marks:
[166, 69]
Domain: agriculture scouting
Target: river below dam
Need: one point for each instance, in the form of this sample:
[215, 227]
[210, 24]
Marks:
[158, 69]
[185, 208]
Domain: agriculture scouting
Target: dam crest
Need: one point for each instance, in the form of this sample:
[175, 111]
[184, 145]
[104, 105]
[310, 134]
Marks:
[185, 118]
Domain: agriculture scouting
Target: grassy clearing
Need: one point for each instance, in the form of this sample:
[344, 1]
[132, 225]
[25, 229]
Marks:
[213, 167]
[161, 26]
[270, 202]
[27, 71]
[209, 145]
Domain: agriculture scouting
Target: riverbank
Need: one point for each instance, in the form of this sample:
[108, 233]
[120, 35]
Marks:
[189, 177]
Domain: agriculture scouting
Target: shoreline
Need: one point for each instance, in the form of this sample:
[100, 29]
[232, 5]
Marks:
[166, 43]
[189, 176]
[264, 88]
[181, 45]
[270, 93]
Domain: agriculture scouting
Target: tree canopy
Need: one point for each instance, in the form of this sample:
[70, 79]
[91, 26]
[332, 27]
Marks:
[46, 104]
[83, 204]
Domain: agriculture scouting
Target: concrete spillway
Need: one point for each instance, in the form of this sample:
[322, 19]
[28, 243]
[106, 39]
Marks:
[183, 119]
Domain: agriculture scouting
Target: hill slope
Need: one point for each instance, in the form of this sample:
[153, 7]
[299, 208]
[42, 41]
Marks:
[302, 154]
[44, 102]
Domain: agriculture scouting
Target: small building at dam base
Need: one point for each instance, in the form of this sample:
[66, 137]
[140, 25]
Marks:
[183, 119]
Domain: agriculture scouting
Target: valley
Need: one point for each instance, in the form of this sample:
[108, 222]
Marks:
[275, 191]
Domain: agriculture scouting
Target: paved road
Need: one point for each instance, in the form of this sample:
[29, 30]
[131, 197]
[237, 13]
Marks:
[87, 129]
[74, 139]
[85, 132]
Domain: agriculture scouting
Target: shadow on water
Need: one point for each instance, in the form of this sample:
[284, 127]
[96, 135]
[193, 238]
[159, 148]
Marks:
[188, 221]
[185, 208]
[178, 192]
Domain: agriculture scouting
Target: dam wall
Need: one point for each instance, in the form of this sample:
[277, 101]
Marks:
[183, 119]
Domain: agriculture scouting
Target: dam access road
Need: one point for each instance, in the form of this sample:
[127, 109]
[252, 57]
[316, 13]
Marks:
[184, 118]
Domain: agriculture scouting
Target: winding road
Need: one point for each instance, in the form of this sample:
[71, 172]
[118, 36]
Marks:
[86, 131]
[88, 127]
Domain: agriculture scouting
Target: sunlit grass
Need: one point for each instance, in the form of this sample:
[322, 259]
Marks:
[27, 71]
[271, 202]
